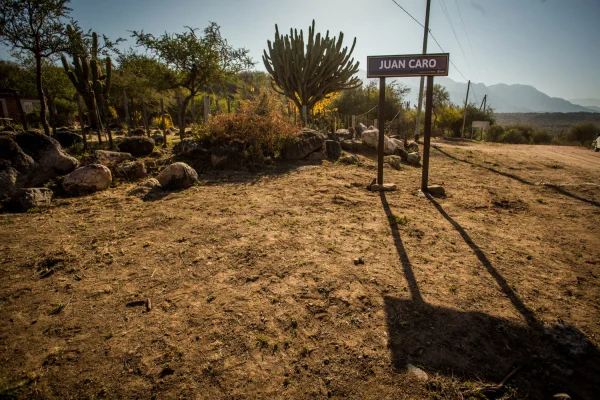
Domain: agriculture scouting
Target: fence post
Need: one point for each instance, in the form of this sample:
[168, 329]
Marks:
[164, 125]
[206, 108]
[145, 116]
[126, 107]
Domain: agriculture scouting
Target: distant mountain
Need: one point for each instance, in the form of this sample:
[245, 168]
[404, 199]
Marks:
[590, 103]
[501, 97]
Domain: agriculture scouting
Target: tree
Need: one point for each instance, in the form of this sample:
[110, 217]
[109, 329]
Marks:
[308, 76]
[584, 132]
[37, 27]
[195, 62]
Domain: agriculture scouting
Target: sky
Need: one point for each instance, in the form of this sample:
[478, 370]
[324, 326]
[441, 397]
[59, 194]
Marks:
[553, 45]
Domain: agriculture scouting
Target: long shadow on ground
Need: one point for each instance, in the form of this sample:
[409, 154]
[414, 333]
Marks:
[476, 346]
[526, 182]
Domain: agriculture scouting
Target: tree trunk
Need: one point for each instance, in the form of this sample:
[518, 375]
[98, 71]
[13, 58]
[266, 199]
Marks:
[38, 82]
[52, 112]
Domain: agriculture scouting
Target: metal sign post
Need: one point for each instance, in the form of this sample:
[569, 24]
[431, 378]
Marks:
[429, 65]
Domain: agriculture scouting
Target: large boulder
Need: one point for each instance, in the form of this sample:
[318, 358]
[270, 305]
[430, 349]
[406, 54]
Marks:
[414, 158]
[138, 132]
[302, 145]
[158, 139]
[191, 148]
[360, 128]
[131, 171]
[353, 146]
[67, 138]
[318, 155]
[399, 143]
[9, 182]
[412, 147]
[334, 150]
[50, 159]
[395, 162]
[111, 157]
[87, 179]
[402, 153]
[177, 176]
[11, 154]
[370, 137]
[26, 199]
[137, 146]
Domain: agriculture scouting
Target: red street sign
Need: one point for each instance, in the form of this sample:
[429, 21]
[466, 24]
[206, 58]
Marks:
[408, 65]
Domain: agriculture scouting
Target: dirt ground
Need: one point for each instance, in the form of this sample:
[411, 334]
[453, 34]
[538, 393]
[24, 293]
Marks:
[245, 285]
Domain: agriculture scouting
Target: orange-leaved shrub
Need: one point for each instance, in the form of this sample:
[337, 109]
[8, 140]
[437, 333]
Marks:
[259, 127]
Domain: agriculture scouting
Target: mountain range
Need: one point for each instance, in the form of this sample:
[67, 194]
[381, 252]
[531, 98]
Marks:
[503, 98]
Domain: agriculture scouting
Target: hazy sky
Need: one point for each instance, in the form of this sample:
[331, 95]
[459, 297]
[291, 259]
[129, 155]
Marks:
[553, 45]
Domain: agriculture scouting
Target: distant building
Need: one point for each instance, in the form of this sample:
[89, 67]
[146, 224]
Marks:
[9, 107]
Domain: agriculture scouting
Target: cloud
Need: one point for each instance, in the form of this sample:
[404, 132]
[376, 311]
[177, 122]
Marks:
[478, 7]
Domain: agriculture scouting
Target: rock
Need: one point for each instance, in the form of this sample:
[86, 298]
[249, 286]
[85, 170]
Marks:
[177, 176]
[561, 396]
[150, 185]
[131, 171]
[219, 161]
[359, 261]
[318, 155]
[402, 154]
[13, 155]
[87, 179]
[26, 199]
[413, 158]
[8, 128]
[412, 147]
[158, 139]
[417, 372]
[351, 145]
[110, 157]
[67, 138]
[360, 128]
[399, 143]
[138, 132]
[371, 138]
[386, 187]
[137, 146]
[9, 178]
[333, 148]
[302, 145]
[395, 162]
[50, 159]
[349, 159]
[436, 190]
[191, 148]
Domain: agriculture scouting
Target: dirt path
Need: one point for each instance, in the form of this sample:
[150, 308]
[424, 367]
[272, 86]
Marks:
[255, 294]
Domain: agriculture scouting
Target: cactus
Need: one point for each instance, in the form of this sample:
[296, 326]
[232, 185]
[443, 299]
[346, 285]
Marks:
[87, 78]
[306, 77]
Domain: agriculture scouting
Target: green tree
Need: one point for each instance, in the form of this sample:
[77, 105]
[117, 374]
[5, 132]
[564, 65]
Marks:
[307, 76]
[194, 61]
[584, 132]
[37, 27]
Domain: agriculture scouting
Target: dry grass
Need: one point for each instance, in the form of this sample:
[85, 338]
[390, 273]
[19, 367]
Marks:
[255, 294]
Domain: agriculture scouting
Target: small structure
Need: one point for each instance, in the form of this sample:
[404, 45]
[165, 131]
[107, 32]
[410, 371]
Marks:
[11, 105]
[479, 124]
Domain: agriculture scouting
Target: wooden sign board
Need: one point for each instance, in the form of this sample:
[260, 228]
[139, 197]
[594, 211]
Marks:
[408, 65]
[481, 124]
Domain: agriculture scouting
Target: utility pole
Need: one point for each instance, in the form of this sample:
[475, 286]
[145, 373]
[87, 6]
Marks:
[462, 132]
[425, 36]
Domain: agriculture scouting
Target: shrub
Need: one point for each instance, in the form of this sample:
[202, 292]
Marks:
[513, 136]
[157, 122]
[526, 131]
[584, 133]
[258, 134]
[493, 133]
[541, 137]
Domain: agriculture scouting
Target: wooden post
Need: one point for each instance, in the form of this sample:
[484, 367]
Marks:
[425, 36]
[381, 121]
[164, 125]
[228, 105]
[206, 108]
[126, 107]
[462, 131]
[21, 111]
[145, 116]
[427, 138]
[79, 109]
[180, 118]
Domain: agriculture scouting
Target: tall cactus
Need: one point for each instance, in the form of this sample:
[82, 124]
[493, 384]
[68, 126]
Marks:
[87, 78]
[307, 77]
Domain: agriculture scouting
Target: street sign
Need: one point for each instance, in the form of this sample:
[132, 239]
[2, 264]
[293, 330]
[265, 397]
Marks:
[480, 124]
[408, 65]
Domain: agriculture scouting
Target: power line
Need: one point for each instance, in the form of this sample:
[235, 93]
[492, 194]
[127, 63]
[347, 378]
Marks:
[433, 37]
[465, 29]
[447, 14]
[409, 14]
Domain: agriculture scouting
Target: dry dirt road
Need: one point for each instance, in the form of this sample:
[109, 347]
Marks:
[254, 292]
